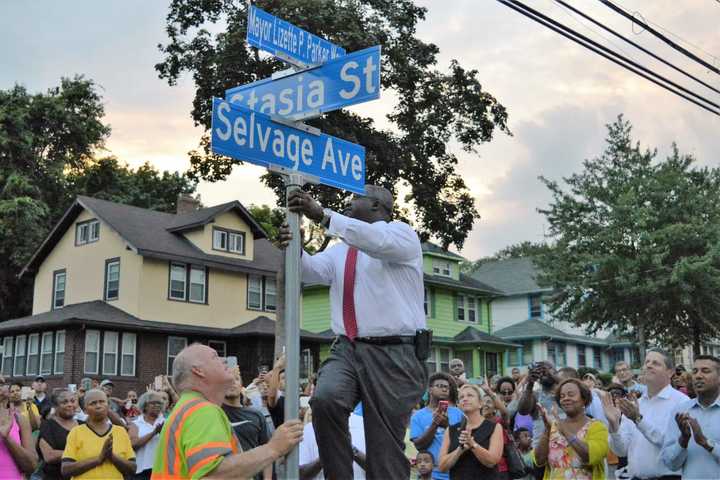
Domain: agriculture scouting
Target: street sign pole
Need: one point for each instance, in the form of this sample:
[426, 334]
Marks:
[293, 181]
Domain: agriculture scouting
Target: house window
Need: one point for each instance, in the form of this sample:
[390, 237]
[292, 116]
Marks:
[110, 351]
[219, 239]
[261, 293]
[112, 279]
[471, 310]
[33, 359]
[188, 282]
[535, 306]
[461, 308]
[87, 232]
[198, 284]
[7, 366]
[177, 281]
[582, 362]
[467, 358]
[426, 307]
[306, 363]
[219, 346]
[444, 359]
[597, 358]
[59, 281]
[556, 353]
[431, 361]
[175, 346]
[254, 294]
[127, 362]
[441, 268]
[491, 363]
[92, 351]
[229, 241]
[20, 344]
[270, 294]
[46, 354]
[59, 352]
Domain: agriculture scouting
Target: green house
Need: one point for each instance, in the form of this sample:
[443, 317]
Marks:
[457, 309]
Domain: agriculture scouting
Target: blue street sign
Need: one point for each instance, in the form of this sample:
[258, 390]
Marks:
[283, 39]
[354, 78]
[250, 136]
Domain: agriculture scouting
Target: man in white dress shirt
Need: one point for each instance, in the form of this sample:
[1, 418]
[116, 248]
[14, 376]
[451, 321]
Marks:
[638, 429]
[376, 304]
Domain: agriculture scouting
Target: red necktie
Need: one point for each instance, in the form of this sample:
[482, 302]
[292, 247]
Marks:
[349, 319]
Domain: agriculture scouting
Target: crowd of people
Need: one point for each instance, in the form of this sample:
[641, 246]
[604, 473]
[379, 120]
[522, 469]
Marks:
[206, 422]
[553, 424]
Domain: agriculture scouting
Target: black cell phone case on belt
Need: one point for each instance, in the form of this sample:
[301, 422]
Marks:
[423, 339]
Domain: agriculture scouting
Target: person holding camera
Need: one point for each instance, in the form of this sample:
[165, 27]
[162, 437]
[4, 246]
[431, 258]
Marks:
[473, 448]
[427, 425]
[376, 300]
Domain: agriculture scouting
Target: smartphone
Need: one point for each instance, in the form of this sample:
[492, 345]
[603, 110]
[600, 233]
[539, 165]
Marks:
[86, 384]
[72, 387]
[158, 383]
[443, 405]
[26, 393]
[231, 361]
[263, 369]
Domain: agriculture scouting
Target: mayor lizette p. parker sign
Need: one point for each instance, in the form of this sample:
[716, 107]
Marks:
[244, 134]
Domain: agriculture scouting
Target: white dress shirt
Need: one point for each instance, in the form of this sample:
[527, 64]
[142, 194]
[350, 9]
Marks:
[388, 276]
[308, 449]
[642, 443]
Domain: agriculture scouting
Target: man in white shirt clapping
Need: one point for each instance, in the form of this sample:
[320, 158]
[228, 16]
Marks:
[638, 428]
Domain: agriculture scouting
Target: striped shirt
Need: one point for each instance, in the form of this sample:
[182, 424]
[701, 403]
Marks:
[194, 440]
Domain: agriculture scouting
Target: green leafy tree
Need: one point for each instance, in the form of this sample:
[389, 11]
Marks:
[48, 143]
[433, 107]
[637, 244]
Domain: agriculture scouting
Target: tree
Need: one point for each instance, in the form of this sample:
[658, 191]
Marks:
[433, 107]
[48, 143]
[637, 244]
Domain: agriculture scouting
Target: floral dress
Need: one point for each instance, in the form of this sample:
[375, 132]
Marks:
[564, 463]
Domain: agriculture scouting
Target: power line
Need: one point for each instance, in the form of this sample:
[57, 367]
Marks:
[610, 55]
[662, 37]
[636, 45]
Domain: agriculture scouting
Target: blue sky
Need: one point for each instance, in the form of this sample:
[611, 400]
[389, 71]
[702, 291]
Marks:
[559, 96]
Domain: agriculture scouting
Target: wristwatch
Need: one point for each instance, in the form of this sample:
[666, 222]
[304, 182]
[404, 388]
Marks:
[638, 419]
[327, 215]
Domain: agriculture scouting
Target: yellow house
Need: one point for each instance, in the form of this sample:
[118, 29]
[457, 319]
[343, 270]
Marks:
[120, 290]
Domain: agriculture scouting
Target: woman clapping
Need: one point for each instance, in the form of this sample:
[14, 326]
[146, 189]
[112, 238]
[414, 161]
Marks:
[472, 448]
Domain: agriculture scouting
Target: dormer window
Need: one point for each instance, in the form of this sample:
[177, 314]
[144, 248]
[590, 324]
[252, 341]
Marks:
[441, 267]
[87, 232]
[228, 241]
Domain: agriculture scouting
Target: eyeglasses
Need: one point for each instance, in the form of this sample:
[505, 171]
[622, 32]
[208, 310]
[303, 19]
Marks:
[156, 402]
[506, 392]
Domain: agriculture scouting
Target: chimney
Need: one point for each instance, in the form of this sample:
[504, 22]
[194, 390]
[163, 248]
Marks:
[187, 204]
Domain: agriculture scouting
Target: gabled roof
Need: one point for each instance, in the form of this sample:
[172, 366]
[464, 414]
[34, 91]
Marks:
[513, 276]
[101, 314]
[202, 217]
[473, 335]
[429, 247]
[530, 329]
[465, 283]
[146, 232]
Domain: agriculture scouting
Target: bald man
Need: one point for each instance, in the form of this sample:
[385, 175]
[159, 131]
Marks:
[98, 449]
[197, 440]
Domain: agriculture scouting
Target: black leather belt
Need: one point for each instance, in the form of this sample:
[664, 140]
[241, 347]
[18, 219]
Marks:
[389, 340]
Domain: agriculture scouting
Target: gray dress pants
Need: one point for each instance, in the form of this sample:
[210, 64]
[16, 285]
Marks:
[389, 380]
